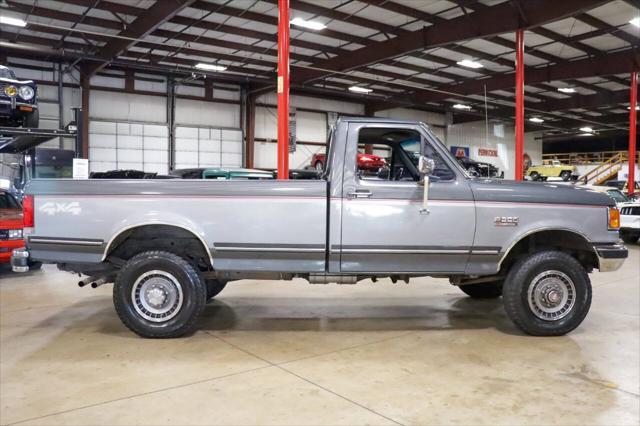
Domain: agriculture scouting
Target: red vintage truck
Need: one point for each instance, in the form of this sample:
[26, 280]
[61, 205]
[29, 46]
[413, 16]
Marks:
[368, 162]
[10, 226]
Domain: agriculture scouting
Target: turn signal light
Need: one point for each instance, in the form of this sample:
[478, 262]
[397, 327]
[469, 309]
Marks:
[28, 211]
[614, 218]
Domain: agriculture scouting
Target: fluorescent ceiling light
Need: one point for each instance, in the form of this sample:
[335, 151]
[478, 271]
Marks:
[12, 21]
[312, 25]
[586, 129]
[469, 63]
[536, 120]
[462, 106]
[358, 89]
[210, 67]
[635, 22]
[566, 90]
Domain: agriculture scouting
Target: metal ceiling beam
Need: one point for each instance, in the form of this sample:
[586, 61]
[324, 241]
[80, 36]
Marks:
[606, 64]
[156, 15]
[583, 101]
[487, 22]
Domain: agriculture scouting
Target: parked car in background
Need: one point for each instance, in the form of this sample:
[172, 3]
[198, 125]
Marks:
[233, 173]
[18, 100]
[368, 162]
[553, 168]
[617, 195]
[478, 168]
[630, 221]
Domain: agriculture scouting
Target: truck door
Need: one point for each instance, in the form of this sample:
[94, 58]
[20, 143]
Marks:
[383, 226]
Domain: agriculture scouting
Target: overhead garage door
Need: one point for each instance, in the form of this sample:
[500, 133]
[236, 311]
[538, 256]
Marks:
[208, 147]
[124, 145]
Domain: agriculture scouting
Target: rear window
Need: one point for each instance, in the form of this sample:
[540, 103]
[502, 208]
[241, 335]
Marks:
[8, 202]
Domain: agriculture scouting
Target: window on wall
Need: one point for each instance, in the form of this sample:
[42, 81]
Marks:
[392, 154]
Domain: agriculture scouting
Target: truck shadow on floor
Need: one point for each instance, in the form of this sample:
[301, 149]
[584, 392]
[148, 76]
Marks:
[335, 314]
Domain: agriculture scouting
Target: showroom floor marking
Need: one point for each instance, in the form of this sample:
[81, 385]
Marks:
[124, 398]
[211, 379]
[280, 366]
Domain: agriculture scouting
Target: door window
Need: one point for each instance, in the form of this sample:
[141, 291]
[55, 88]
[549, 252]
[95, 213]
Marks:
[392, 154]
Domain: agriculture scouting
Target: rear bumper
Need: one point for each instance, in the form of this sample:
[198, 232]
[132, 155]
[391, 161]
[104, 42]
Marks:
[20, 260]
[610, 256]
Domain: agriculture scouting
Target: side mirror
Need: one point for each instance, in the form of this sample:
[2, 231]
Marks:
[426, 166]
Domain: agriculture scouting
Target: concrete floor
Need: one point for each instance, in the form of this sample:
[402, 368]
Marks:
[274, 353]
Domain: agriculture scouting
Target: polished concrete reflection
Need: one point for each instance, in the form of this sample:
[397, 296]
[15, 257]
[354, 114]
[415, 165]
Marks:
[289, 353]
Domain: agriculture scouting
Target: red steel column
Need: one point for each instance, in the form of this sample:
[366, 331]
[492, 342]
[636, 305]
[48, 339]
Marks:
[519, 170]
[283, 89]
[633, 129]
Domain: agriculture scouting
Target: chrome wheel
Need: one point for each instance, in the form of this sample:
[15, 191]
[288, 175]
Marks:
[551, 295]
[157, 296]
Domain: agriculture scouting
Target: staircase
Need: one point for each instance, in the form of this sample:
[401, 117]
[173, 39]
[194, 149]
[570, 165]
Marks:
[605, 171]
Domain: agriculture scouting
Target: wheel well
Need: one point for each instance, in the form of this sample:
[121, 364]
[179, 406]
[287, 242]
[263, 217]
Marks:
[169, 238]
[565, 241]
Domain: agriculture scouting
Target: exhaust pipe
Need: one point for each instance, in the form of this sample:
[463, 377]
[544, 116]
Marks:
[87, 281]
[101, 281]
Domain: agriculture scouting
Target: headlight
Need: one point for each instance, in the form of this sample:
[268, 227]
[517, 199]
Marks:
[15, 234]
[26, 92]
[10, 91]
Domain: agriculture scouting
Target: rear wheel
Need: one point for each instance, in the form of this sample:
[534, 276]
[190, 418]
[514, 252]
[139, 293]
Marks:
[565, 175]
[159, 294]
[547, 293]
[535, 176]
[488, 290]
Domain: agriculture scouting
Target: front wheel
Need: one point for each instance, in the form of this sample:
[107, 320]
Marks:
[547, 293]
[319, 167]
[159, 294]
[214, 287]
[535, 176]
[565, 175]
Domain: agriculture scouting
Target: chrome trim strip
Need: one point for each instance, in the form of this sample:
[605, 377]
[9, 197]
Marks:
[270, 249]
[37, 240]
[496, 252]
[403, 251]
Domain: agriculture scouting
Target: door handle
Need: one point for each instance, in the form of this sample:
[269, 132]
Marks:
[359, 193]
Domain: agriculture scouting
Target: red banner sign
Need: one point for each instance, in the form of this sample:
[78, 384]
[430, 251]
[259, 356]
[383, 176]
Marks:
[486, 152]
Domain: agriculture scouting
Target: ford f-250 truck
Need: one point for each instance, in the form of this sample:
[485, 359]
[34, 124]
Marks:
[171, 245]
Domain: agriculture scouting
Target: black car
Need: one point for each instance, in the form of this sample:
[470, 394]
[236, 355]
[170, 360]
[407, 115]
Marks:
[18, 100]
[478, 168]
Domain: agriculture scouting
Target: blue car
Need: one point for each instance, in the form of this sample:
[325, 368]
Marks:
[18, 100]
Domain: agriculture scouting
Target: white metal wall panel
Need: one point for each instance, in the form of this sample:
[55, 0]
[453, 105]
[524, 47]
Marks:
[121, 145]
[207, 114]
[116, 106]
[208, 147]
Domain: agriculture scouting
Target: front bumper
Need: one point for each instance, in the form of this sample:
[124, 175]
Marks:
[610, 256]
[20, 260]
[7, 246]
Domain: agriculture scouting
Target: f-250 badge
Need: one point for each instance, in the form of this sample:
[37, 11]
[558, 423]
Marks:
[505, 221]
[51, 208]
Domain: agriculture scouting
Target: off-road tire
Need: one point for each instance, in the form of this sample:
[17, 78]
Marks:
[628, 238]
[488, 290]
[32, 120]
[194, 293]
[515, 293]
[565, 175]
[214, 287]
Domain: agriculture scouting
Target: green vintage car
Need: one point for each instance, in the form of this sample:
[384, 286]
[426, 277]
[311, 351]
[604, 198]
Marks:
[222, 173]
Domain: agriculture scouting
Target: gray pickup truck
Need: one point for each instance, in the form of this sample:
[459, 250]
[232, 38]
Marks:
[171, 245]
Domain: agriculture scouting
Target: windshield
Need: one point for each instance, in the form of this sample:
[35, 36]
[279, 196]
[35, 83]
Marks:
[618, 196]
[7, 201]
[444, 148]
[7, 73]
